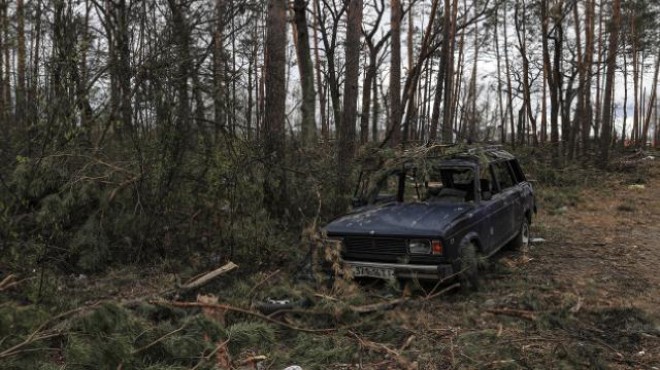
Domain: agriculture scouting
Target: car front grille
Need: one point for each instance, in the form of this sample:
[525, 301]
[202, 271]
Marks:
[378, 246]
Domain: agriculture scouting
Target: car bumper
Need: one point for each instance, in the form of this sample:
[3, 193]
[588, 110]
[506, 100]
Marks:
[399, 270]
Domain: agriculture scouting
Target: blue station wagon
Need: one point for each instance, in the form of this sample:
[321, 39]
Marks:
[432, 216]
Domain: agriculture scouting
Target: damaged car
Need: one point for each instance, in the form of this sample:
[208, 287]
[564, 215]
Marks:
[432, 213]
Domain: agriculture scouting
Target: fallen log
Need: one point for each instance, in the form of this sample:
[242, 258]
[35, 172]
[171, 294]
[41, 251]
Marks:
[208, 277]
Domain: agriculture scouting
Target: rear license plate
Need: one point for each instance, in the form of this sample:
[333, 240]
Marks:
[374, 272]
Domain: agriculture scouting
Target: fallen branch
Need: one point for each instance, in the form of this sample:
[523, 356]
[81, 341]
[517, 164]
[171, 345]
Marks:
[447, 289]
[382, 306]
[379, 347]
[263, 281]
[144, 348]
[206, 278]
[10, 281]
[522, 314]
[240, 310]
[221, 346]
[40, 334]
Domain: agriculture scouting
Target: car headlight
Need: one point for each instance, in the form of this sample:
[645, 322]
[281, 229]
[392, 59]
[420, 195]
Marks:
[419, 246]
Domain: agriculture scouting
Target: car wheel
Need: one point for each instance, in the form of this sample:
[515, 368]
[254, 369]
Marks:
[521, 241]
[467, 267]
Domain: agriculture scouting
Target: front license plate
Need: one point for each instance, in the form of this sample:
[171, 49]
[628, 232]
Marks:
[374, 272]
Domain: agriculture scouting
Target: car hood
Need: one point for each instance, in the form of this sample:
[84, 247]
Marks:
[399, 219]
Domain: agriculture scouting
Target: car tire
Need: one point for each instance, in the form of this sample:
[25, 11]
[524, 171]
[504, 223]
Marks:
[521, 241]
[467, 267]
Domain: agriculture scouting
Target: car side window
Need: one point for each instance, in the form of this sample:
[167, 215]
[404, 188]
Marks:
[517, 171]
[503, 175]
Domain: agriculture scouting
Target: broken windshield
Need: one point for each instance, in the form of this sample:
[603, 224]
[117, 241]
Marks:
[435, 184]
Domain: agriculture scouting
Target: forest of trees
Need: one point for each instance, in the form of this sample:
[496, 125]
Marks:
[136, 127]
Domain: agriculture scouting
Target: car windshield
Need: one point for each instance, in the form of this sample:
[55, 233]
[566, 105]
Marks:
[449, 184]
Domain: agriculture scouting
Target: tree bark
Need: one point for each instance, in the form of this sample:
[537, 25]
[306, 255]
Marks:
[319, 82]
[7, 52]
[606, 136]
[20, 63]
[443, 90]
[508, 81]
[651, 103]
[449, 112]
[219, 69]
[552, 76]
[395, 74]
[306, 68]
[275, 101]
[500, 104]
[346, 143]
[588, 61]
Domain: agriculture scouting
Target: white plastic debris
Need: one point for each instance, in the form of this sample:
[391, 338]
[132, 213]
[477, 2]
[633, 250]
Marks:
[294, 367]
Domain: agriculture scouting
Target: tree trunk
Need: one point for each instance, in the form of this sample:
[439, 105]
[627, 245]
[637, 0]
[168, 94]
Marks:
[319, 81]
[472, 92]
[411, 117]
[20, 67]
[275, 100]
[508, 81]
[4, 103]
[375, 110]
[369, 78]
[500, 104]
[329, 43]
[306, 68]
[651, 104]
[521, 33]
[7, 50]
[606, 137]
[625, 100]
[443, 89]
[346, 142]
[635, 128]
[599, 100]
[219, 69]
[395, 74]
[588, 61]
[449, 112]
[552, 75]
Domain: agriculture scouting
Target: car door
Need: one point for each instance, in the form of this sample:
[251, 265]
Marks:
[508, 196]
[522, 194]
[491, 211]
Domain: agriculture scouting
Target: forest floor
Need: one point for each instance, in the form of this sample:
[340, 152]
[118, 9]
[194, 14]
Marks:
[586, 296]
